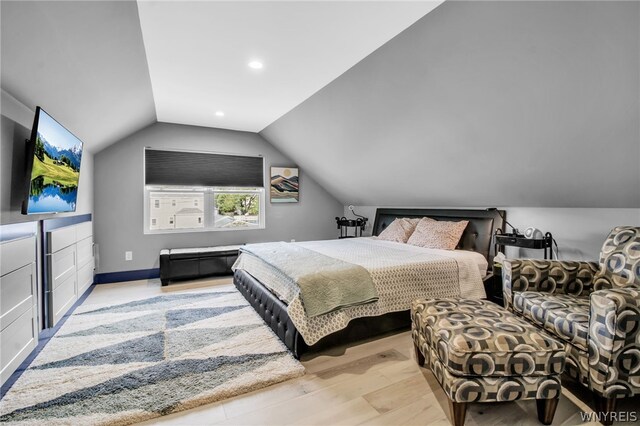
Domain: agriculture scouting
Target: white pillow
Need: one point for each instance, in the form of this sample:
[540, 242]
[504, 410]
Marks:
[400, 230]
[438, 234]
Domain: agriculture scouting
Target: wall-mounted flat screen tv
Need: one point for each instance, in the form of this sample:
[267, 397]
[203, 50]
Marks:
[53, 167]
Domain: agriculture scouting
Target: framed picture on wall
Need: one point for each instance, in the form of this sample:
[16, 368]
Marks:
[284, 185]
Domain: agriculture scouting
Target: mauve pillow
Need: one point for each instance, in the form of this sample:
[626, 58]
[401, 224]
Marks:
[438, 234]
[400, 230]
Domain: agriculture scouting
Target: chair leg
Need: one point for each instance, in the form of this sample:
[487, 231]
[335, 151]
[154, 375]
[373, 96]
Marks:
[546, 410]
[458, 411]
[605, 406]
[419, 356]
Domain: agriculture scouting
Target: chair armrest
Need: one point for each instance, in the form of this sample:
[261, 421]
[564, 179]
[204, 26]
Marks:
[614, 344]
[547, 276]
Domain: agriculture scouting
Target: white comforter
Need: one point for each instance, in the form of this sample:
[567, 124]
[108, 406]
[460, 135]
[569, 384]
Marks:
[400, 273]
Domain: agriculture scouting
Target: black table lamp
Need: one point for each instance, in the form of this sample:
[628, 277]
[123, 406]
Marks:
[513, 228]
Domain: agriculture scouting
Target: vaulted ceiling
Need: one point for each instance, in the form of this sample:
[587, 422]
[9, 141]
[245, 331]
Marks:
[108, 68]
[198, 54]
[531, 104]
[382, 103]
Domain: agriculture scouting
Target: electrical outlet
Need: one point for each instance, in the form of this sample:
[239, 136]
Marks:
[128, 255]
[293, 241]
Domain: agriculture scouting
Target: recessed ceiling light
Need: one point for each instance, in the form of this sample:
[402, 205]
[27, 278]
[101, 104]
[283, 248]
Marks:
[220, 113]
[256, 65]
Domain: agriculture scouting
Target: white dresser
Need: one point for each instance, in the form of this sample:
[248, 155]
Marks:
[69, 267]
[18, 303]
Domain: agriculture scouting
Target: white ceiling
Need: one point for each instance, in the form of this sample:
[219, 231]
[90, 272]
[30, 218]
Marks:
[198, 53]
[109, 68]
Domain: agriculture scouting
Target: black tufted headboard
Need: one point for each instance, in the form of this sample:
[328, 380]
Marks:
[476, 237]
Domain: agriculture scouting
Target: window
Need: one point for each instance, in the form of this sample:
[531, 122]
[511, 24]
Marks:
[202, 191]
[191, 209]
[237, 208]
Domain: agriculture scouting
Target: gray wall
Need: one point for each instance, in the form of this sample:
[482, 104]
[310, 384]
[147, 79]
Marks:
[84, 62]
[16, 124]
[579, 232]
[531, 104]
[119, 198]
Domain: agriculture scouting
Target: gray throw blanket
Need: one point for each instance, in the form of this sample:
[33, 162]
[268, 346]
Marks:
[326, 284]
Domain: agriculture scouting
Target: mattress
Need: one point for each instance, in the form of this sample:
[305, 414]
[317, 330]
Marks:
[400, 272]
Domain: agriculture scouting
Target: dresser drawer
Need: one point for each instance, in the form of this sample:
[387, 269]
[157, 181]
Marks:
[62, 265]
[16, 294]
[61, 238]
[84, 230]
[16, 254]
[16, 343]
[85, 277]
[84, 251]
[63, 297]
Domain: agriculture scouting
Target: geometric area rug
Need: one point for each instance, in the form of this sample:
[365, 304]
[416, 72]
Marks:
[130, 362]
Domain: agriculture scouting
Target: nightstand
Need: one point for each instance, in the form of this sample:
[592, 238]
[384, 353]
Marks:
[545, 243]
[493, 286]
[345, 224]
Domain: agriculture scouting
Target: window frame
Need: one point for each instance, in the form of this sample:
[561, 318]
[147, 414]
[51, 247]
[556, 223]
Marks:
[208, 208]
[209, 198]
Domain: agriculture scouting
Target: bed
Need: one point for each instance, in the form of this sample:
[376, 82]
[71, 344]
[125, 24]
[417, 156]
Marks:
[398, 272]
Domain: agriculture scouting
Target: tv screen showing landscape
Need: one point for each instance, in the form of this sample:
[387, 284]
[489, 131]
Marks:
[53, 184]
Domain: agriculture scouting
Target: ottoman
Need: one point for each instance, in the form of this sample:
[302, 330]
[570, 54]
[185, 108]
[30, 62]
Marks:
[480, 352]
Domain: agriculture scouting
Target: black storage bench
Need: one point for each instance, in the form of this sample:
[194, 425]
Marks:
[191, 263]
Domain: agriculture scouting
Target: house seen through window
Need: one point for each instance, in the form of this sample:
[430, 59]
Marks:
[227, 208]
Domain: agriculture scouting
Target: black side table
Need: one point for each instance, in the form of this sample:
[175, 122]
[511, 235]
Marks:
[345, 224]
[545, 243]
[493, 286]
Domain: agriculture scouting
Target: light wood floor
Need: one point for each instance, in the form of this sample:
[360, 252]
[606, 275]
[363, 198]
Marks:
[373, 383]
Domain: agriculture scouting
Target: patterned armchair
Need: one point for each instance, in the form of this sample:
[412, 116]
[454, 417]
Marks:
[594, 307]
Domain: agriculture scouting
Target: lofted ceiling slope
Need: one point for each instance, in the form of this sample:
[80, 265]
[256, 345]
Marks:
[483, 104]
[106, 69]
[198, 53]
[83, 62]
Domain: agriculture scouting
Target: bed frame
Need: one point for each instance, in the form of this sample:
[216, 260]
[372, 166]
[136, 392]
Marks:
[476, 237]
